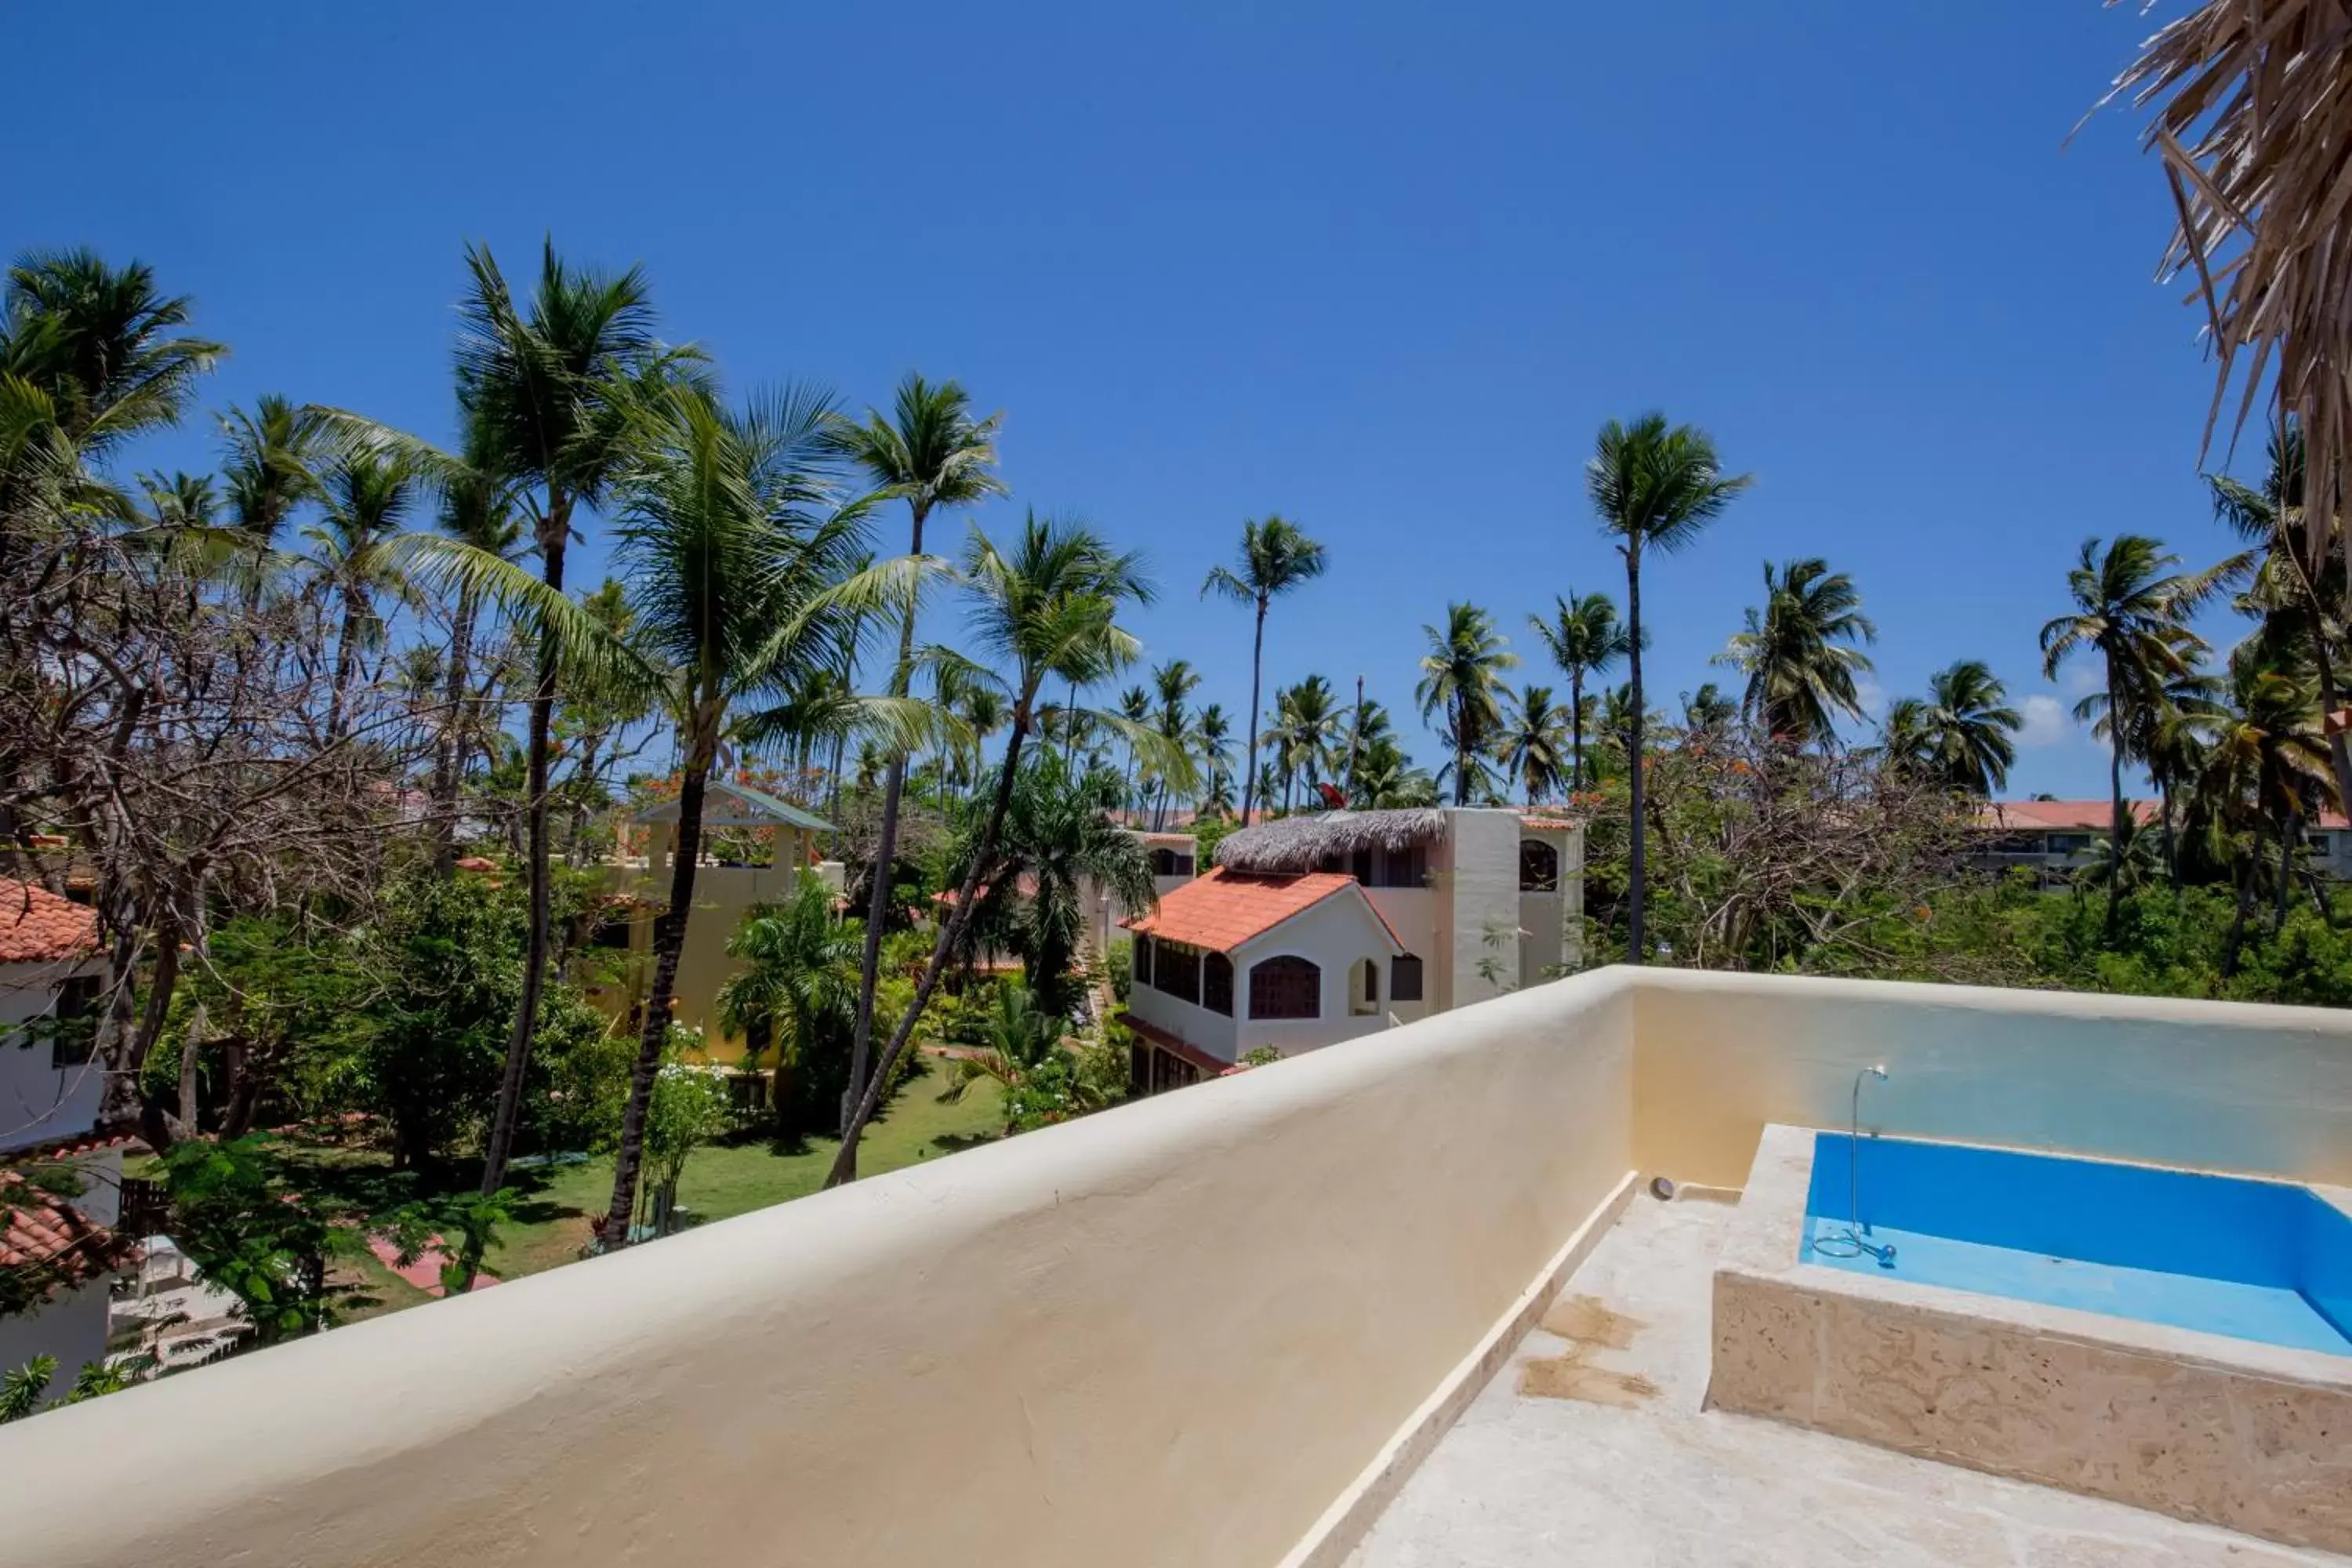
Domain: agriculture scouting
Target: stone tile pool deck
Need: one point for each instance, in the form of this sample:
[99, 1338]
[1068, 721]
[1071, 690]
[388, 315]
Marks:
[1614, 1463]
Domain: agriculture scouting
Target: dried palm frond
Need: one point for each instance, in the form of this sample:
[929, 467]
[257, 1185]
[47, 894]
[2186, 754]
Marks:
[1303, 842]
[2252, 104]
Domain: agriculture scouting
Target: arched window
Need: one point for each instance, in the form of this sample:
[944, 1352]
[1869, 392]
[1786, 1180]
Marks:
[1538, 866]
[1286, 987]
[1217, 984]
[1364, 987]
[1172, 863]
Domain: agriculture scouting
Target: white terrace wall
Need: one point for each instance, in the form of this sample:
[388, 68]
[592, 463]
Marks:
[1171, 1334]
[2221, 1086]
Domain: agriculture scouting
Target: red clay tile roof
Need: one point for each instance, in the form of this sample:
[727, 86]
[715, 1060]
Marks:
[2065, 816]
[69, 1146]
[2081, 816]
[1225, 908]
[39, 927]
[1027, 887]
[1177, 1045]
[37, 1227]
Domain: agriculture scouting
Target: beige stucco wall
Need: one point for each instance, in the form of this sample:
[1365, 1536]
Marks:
[723, 896]
[1477, 877]
[1170, 1334]
[1173, 1334]
[2219, 1085]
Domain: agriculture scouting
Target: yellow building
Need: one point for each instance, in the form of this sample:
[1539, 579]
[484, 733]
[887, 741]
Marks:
[726, 888]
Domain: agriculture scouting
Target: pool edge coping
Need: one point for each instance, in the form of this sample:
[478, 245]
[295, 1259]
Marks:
[1766, 1241]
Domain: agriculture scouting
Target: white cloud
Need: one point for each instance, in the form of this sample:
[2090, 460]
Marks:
[1871, 695]
[2083, 676]
[2046, 723]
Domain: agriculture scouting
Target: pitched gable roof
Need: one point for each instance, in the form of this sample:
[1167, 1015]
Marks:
[726, 804]
[1225, 908]
[39, 927]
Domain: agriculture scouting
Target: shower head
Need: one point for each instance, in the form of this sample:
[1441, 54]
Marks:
[1877, 1070]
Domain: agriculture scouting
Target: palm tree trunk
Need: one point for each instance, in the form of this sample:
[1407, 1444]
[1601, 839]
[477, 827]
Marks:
[1577, 728]
[1461, 753]
[347, 652]
[1639, 839]
[2115, 786]
[449, 753]
[833, 788]
[886, 852]
[2339, 746]
[844, 1164]
[552, 538]
[2289, 839]
[2171, 844]
[2237, 937]
[1258, 664]
[669, 941]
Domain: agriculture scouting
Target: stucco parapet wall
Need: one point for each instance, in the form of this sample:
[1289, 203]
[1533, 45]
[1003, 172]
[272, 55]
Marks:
[1045, 1351]
[1053, 1350]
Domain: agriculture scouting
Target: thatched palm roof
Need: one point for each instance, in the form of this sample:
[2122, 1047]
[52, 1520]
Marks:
[2253, 114]
[1303, 842]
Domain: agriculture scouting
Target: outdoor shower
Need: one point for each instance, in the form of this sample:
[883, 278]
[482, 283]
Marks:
[1851, 1244]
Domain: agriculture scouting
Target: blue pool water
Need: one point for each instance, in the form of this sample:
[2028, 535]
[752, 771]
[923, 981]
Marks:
[2257, 1260]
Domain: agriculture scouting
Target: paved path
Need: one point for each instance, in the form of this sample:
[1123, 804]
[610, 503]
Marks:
[426, 1272]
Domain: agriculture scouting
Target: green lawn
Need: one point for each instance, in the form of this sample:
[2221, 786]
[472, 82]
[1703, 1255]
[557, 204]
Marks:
[552, 1223]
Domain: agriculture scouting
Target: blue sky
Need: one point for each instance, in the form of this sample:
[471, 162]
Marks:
[1382, 268]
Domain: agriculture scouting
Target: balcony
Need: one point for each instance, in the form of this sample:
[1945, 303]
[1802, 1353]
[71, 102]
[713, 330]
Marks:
[1287, 1316]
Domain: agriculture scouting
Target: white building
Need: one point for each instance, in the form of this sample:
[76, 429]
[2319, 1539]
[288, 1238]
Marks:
[51, 975]
[1315, 929]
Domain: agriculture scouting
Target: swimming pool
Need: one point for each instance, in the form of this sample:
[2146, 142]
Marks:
[2259, 1260]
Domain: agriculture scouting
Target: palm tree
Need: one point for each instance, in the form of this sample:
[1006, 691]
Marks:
[1584, 637]
[2267, 769]
[1135, 708]
[1368, 725]
[930, 453]
[2130, 608]
[1798, 652]
[363, 507]
[547, 395]
[984, 710]
[1656, 486]
[1530, 748]
[269, 470]
[1305, 733]
[1461, 675]
[1046, 607]
[1018, 1040]
[1212, 736]
[730, 541]
[1275, 558]
[1707, 712]
[2299, 574]
[1960, 735]
[1386, 779]
[99, 346]
[1058, 837]
[478, 509]
[798, 985]
[1173, 684]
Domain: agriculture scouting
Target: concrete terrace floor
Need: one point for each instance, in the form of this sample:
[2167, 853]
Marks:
[1630, 1472]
